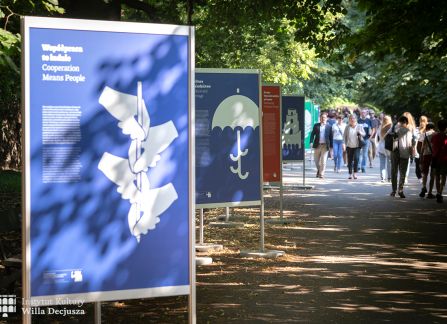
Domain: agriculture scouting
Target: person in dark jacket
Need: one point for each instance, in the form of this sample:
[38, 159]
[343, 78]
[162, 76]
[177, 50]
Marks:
[321, 139]
[439, 158]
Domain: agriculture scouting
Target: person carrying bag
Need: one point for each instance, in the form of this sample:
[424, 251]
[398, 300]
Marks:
[403, 149]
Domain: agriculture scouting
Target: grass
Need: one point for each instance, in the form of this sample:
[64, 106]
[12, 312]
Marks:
[10, 181]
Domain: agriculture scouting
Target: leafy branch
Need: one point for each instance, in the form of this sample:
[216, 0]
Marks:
[2, 15]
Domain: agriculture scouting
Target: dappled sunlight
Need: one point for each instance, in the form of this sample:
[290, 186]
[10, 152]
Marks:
[366, 259]
[333, 229]
[222, 284]
[338, 290]
[372, 230]
[226, 305]
[336, 217]
[391, 292]
[353, 254]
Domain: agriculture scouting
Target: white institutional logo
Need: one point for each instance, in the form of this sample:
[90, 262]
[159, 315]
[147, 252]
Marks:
[292, 132]
[130, 175]
[237, 111]
[76, 275]
[7, 305]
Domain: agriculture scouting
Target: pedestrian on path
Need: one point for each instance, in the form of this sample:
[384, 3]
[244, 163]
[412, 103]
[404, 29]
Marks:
[338, 143]
[384, 154]
[419, 132]
[439, 156]
[425, 153]
[367, 126]
[412, 127]
[321, 137]
[372, 151]
[351, 139]
[403, 149]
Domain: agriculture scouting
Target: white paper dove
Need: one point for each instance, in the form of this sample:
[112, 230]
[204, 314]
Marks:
[123, 107]
[147, 203]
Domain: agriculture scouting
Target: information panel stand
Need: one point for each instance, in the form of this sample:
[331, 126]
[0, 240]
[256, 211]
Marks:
[272, 143]
[228, 139]
[108, 162]
[293, 134]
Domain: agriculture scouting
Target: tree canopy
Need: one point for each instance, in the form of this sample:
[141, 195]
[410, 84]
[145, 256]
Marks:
[390, 55]
[402, 51]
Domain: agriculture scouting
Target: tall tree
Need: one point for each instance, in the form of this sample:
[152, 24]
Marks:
[403, 48]
[10, 40]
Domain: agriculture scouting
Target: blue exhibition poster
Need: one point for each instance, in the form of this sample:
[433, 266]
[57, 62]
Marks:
[292, 128]
[228, 156]
[107, 159]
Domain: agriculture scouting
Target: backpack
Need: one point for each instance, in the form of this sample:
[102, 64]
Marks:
[389, 140]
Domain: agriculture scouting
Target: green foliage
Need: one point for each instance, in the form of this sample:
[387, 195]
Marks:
[385, 54]
[10, 50]
[155, 11]
[52, 6]
[399, 53]
[281, 38]
[326, 87]
[399, 84]
[10, 182]
[402, 27]
[10, 40]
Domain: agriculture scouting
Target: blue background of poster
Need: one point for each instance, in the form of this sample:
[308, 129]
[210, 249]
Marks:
[84, 225]
[293, 152]
[213, 163]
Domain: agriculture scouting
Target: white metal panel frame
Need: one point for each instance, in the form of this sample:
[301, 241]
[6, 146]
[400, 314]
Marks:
[240, 203]
[27, 24]
[292, 161]
[280, 182]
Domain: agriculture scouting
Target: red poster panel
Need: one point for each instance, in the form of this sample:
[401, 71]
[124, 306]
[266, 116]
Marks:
[271, 132]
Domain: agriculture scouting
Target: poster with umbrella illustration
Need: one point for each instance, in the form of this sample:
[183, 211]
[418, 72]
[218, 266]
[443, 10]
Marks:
[227, 138]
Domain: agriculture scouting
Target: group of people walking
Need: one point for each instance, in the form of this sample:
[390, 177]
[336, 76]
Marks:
[355, 138]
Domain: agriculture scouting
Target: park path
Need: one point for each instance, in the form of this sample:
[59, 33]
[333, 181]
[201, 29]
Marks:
[354, 255]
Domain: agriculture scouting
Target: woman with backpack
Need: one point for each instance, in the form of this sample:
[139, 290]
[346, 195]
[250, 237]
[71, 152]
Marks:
[384, 154]
[403, 149]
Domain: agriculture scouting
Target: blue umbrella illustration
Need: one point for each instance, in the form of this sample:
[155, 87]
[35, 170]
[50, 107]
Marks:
[236, 111]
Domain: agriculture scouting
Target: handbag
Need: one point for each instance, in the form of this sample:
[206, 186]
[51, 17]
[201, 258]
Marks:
[389, 140]
[362, 142]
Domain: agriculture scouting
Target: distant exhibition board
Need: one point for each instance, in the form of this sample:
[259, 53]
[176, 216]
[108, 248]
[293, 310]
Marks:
[108, 177]
[293, 131]
[309, 120]
[228, 153]
[271, 133]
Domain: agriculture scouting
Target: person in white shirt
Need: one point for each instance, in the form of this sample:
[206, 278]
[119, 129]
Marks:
[351, 139]
[338, 143]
